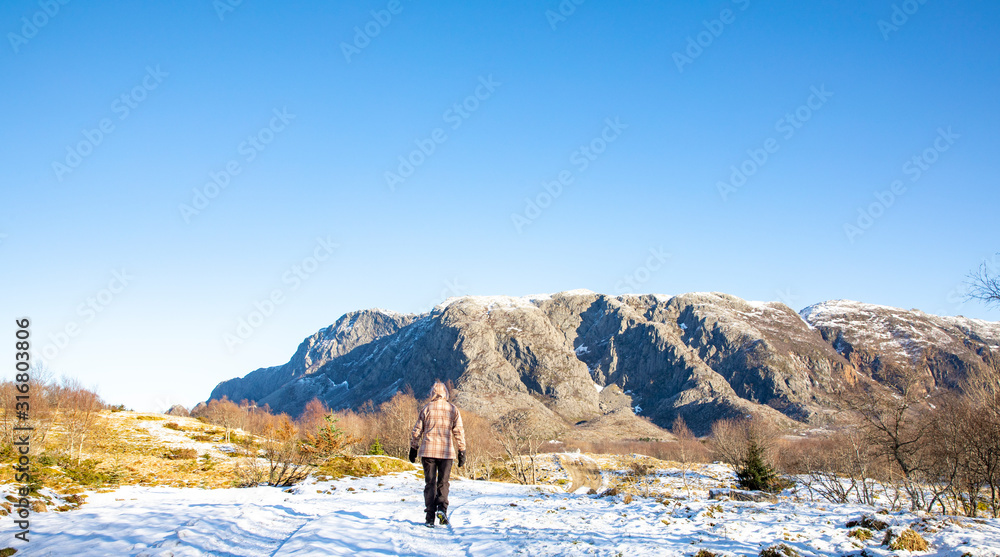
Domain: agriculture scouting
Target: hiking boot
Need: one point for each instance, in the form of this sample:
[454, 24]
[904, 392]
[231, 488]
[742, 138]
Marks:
[442, 518]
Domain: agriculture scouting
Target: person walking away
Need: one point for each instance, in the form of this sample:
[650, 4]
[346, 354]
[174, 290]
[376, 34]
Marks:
[438, 438]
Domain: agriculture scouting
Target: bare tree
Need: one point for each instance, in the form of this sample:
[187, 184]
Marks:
[687, 445]
[901, 433]
[396, 417]
[80, 409]
[984, 284]
[983, 432]
[519, 435]
[482, 447]
[226, 413]
[42, 409]
[729, 440]
[359, 426]
[313, 416]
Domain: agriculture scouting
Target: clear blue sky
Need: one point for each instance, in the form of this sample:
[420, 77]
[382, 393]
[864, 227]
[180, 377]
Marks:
[81, 204]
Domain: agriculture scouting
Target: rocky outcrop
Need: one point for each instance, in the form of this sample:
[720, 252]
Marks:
[891, 345]
[581, 357]
[349, 332]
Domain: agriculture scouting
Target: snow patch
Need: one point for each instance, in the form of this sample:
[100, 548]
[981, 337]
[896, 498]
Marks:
[382, 516]
[512, 302]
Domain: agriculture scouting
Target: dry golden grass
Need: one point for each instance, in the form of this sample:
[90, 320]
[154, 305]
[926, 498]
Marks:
[129, 448]
[906, 539]
[361, 466]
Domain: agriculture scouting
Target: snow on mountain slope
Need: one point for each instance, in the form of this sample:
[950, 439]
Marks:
[701, 356]
[883, 342]
[383, 516]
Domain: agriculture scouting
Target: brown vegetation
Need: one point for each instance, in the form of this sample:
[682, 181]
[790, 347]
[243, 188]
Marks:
[907, 448]
[939, 453]
[904, 540]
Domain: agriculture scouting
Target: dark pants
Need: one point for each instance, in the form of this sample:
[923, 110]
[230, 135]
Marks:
[436, 474]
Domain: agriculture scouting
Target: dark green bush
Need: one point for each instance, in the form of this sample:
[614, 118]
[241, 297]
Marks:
[376, 448]
[754, 472]
[85, 472]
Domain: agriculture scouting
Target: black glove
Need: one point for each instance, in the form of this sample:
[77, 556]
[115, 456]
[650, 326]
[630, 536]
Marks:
[461, 459]
[413, 455]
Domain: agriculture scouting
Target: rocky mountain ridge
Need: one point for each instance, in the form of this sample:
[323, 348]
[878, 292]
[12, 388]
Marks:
[579, 356]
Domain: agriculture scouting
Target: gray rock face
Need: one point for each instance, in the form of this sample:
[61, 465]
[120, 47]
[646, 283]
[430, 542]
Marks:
[885, 343]
[577, 356]
[350, 331]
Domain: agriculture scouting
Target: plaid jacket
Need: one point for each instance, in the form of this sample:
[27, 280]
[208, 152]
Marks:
[438, 423]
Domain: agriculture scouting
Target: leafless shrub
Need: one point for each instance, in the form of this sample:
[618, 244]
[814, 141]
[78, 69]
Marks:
[689, 450]
[728, 440]
[287, 463]
[250, 470]
[44, 406]
[226, 413]
[79, 409]
[395, 418]
[483, 448]
[838, 468]
[361, 427]
[313, 416]
[896, 428]
[520, 435]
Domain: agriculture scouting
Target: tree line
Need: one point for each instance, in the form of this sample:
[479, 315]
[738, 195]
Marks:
[903, 447]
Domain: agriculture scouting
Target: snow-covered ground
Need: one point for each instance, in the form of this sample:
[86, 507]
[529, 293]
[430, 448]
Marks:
[383, 516]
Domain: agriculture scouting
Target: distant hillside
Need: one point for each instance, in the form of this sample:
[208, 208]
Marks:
[576, 356]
